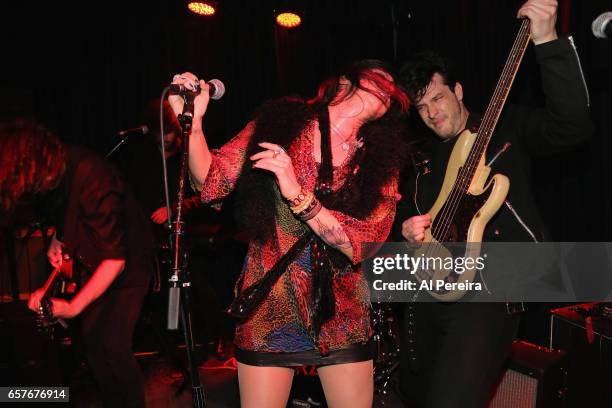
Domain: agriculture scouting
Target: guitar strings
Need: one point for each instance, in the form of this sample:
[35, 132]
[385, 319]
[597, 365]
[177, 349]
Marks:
[459, 189]
[464, 179]
[471, 163]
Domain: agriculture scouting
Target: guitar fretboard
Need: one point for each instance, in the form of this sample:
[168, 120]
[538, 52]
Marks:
[491, 116]
[489, 121]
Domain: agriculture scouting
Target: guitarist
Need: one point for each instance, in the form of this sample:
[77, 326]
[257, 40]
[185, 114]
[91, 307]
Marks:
[99, 224]
[453, 353]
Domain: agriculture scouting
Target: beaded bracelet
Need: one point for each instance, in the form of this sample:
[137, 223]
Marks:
[310, 197]
[311, 204]
[295, 201]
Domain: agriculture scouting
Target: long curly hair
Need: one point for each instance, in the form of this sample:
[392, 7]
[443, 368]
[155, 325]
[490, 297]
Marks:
[32, 158]
[280, 121]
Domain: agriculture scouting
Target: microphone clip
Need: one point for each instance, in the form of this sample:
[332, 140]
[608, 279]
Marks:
[186, 118]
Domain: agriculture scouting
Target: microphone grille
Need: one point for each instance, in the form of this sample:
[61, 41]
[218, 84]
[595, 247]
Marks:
[599, 24]
[144, 129]
[218, 88]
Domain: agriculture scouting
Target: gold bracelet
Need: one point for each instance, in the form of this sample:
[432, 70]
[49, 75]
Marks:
[295, 201]
[304, 204]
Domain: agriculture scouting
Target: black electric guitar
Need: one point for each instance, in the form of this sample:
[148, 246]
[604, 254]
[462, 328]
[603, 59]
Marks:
[469, 196]
[58, 282]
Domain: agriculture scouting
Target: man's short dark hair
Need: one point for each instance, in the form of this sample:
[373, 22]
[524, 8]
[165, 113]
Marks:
[417, 71]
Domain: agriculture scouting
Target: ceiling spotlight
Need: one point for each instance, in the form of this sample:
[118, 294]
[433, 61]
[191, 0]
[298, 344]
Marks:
[288, 19]
[203, 8]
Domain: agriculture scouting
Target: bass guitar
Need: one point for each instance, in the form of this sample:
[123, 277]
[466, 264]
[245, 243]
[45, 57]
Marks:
[469, 196]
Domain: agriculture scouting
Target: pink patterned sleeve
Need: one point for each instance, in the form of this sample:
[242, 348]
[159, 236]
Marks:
[375, 227]
[225, 168]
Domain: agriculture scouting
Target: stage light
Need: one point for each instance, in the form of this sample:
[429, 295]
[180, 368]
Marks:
[203, 8]
[288, 19]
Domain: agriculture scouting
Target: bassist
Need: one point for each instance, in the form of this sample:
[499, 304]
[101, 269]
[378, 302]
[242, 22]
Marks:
[453, 353]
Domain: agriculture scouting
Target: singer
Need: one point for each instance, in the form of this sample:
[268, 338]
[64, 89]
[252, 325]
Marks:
[314, 180]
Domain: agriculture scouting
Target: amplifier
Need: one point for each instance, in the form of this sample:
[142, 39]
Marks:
[535, 378]
[585, 332]
[29, 254]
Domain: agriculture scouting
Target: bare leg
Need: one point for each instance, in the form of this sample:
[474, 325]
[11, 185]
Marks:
[348, 385]
[264, 386]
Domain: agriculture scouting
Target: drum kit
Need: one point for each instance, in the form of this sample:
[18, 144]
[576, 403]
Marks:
[387, 342]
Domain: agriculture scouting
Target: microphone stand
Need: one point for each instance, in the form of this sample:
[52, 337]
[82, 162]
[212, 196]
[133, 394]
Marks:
[180, 284]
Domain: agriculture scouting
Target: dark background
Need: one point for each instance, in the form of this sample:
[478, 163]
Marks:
[89, 71]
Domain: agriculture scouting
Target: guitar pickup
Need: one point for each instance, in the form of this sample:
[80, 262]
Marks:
[68, 288]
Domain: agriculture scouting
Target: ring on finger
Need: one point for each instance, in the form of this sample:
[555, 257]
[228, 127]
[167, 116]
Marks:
[278, 151]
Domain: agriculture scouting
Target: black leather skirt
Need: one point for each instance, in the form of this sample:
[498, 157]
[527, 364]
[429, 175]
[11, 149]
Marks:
[351, 354]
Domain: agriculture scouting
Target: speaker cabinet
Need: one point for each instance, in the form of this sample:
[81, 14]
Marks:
[23, 264]
[585, 332]
[535, 378]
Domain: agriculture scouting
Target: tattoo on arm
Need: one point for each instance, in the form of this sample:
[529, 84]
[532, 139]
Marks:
[333, 235]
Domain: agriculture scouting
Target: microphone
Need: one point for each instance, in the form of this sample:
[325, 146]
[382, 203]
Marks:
[216, 89]
[142, 129]
[601, 26]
